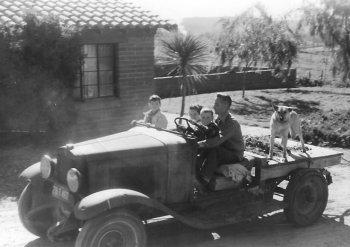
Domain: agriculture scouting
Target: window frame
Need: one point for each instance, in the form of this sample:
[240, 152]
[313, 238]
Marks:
[98, 84]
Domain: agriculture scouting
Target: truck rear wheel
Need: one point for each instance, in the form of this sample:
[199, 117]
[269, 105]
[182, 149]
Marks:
[120, 228]
[36, 211]
[306, 197]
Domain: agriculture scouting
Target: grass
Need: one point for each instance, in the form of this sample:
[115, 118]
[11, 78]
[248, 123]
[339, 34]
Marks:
[256, 109]
[325, 111]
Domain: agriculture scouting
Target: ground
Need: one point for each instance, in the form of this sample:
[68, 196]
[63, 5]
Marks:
[271, 230]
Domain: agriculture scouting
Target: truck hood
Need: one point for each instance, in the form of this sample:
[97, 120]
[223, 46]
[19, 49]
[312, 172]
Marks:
[137, 138]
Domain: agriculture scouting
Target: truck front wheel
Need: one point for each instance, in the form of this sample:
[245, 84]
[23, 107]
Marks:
[119, 228]
[36, 211]
[306, 197]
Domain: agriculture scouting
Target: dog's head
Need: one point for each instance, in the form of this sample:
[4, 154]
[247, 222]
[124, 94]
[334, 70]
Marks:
[282, 112]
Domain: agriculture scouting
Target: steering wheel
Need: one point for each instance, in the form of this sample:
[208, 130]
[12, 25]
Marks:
[187, 130]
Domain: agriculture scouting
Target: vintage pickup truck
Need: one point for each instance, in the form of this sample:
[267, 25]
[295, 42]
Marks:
[103, 191]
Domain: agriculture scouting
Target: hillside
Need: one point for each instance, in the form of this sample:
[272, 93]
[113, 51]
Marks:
[201, 25]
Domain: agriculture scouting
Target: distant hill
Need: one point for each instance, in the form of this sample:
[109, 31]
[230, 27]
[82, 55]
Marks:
[201, 25]
[204, 25]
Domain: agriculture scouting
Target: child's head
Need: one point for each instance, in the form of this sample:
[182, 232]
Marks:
[207, 115]
[194, 112]
[154, 102]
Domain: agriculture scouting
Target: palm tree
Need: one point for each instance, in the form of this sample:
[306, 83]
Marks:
[186, 56]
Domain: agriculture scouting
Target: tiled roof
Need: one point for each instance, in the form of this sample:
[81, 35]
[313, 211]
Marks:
[90, 13]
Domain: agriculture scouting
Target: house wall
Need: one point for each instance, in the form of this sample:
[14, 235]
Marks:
[219, 82]
[135, 73]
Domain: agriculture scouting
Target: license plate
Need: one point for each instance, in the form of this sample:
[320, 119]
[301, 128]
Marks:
[60, 192]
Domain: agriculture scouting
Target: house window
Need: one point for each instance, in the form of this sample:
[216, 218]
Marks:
[97, 75]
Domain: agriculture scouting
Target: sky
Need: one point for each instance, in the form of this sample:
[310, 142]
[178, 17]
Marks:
[176, 10]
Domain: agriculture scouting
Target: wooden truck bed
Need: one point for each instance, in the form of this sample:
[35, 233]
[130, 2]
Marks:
[315, 157]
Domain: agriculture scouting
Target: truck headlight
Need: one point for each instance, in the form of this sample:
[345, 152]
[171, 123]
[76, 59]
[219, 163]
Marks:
[73, 180]
[46, 167]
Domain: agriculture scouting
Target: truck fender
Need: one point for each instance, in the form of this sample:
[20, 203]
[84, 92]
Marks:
[101, 201]
[31, 172]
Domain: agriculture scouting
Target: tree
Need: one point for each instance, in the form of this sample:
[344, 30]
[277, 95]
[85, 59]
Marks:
[186, 56]
[252, 39]
[330, 21]
[244, 46]
[38, 68]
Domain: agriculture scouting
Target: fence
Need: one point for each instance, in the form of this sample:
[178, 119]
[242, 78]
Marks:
[258, 79]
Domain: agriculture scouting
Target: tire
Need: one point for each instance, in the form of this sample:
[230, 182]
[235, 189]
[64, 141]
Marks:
[36, 211]
[306, 197]
[117, 228]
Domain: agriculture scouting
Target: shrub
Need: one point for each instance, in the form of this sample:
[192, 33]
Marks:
[328, 129]
[340, 84]
[307, 82]
[41, 59]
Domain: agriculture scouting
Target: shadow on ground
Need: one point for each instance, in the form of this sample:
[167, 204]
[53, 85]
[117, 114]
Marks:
[339, 218]
[303, 91]
[268, 231]
[249, 107]
[319, 92]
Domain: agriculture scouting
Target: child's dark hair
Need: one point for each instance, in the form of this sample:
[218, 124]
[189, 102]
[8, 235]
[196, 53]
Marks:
[196, 108]
[154, 97]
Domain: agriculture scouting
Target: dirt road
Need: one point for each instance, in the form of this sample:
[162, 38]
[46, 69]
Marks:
[332, 230]
[273, 230]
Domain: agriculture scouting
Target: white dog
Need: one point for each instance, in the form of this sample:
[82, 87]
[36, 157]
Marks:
[283, 121]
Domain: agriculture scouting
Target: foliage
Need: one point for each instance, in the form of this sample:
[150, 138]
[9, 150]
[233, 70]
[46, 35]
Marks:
[261, 145]
[251, 40]
[39, 64]
[330, 21]
[48, 46]
[307, 82]
[185, 56]
[328, 129]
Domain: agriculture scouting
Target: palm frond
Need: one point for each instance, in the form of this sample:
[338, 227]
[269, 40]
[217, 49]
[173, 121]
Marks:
[187, 57]
[186, 53]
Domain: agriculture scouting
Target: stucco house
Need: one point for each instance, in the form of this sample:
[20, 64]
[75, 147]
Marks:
[116, 78]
